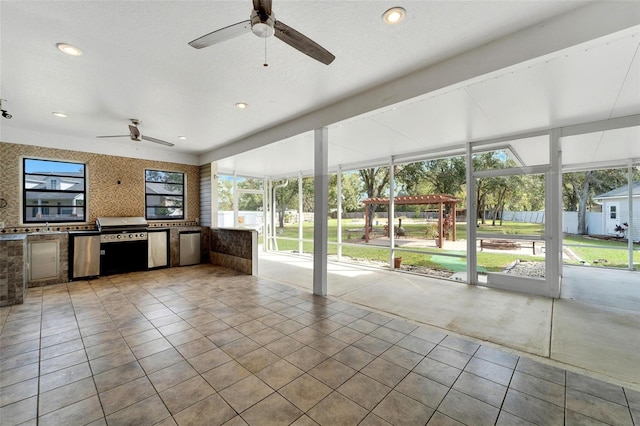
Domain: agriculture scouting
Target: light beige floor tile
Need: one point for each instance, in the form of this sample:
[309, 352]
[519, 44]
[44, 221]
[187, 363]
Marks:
[225, 375]
[146, 412]
[79, 413]
[337, 410]
[279, 374]
[212, 408]
[124, 395]
[185, 394]
[273, 410]
[66, 395]
[305, 392]
[364, 390]
[245, 393]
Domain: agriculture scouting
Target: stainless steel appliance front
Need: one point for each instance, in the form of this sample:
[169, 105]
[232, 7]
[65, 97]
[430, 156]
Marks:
[86, 256]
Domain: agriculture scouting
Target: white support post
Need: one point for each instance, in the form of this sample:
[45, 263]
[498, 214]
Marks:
[300, 215]
[214, 195]
[553, 216]
[630, 221]
[339, 207]
[235, 201]
[391, 215]
[472, 215]
[320, 210]
[265, 214]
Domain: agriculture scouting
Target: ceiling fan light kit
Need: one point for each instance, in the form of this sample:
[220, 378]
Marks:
[135, 135]
[262, 22]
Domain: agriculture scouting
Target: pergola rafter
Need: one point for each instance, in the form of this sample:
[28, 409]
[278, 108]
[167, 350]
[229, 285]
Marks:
[434, 199]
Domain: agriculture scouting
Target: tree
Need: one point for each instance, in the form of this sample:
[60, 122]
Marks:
[225, 193]
[375, 183]
[441, 176]
[350, 183]
[287, 197]
[579, 188]
[447, 175]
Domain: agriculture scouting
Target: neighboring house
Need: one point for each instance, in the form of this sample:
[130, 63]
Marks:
[161, 194]
[53, 205]
[615, 209]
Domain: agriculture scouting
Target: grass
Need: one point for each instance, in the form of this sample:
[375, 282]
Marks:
[487, 261]
[606, 253]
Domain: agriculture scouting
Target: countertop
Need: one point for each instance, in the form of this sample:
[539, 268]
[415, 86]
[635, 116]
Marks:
[13, 237]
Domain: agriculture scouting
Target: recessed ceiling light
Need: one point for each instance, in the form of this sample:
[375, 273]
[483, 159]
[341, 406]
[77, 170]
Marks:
[60, 114]
[182, 138]
[242, 105]
[394, 15]
[69, 49]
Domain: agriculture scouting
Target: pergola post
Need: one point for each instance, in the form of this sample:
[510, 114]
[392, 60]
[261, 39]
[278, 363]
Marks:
[440, 227]
[453, 212]
[366, 223]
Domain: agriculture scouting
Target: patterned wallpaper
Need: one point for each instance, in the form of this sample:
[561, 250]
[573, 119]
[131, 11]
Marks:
[105, 196]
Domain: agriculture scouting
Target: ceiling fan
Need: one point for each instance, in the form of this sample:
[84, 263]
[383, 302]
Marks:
[263, 23]
[135, 135]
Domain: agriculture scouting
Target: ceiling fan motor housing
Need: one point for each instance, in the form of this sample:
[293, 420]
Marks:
[262, 27]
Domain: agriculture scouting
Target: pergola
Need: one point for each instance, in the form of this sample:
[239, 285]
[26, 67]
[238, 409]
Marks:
[439, 199]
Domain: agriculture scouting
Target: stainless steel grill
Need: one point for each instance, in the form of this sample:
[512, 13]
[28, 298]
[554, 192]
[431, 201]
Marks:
[122, 224]
[120, 229]
[123, 244]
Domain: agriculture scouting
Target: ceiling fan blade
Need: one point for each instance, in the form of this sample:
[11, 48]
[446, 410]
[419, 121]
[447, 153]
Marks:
[154, 140]
[303, 43]
[114, 136]
[222, 34]
[262, 6]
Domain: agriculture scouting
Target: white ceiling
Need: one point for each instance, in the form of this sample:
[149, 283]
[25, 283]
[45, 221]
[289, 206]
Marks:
[417, 77]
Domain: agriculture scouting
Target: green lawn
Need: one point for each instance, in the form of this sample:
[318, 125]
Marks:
[353, 232]
[611, 254]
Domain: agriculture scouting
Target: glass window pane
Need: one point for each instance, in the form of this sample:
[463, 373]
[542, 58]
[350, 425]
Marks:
[249, 183]
[160, 176]
[164, 194]
[54, 191]
[57, 183]
[164, 188]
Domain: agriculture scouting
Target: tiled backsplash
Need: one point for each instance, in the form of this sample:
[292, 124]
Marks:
[104, 195]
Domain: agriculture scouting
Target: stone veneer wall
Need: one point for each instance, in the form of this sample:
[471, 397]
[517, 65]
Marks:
[105, 197]
[13, 249]
[235, 249]
[63, 254]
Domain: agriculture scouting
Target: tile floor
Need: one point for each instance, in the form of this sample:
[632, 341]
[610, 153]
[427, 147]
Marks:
[203, 345]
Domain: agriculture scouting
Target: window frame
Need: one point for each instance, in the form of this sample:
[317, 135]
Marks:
[55, 206]
[183, 194]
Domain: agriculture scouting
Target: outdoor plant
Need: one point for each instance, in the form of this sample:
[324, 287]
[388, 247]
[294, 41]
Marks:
[621, 230]
[431, 231]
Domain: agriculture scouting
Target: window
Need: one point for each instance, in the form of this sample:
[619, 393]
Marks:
[53, 191]
[613, 213]
[164, 195]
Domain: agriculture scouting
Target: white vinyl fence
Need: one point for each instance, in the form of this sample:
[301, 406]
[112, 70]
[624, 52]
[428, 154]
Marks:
[569, 220]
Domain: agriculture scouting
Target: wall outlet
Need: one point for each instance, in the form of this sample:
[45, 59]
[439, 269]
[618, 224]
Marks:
[1, 225]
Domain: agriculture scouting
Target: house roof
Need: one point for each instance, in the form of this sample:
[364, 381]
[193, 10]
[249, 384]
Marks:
[623, 191]
[452, 71]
